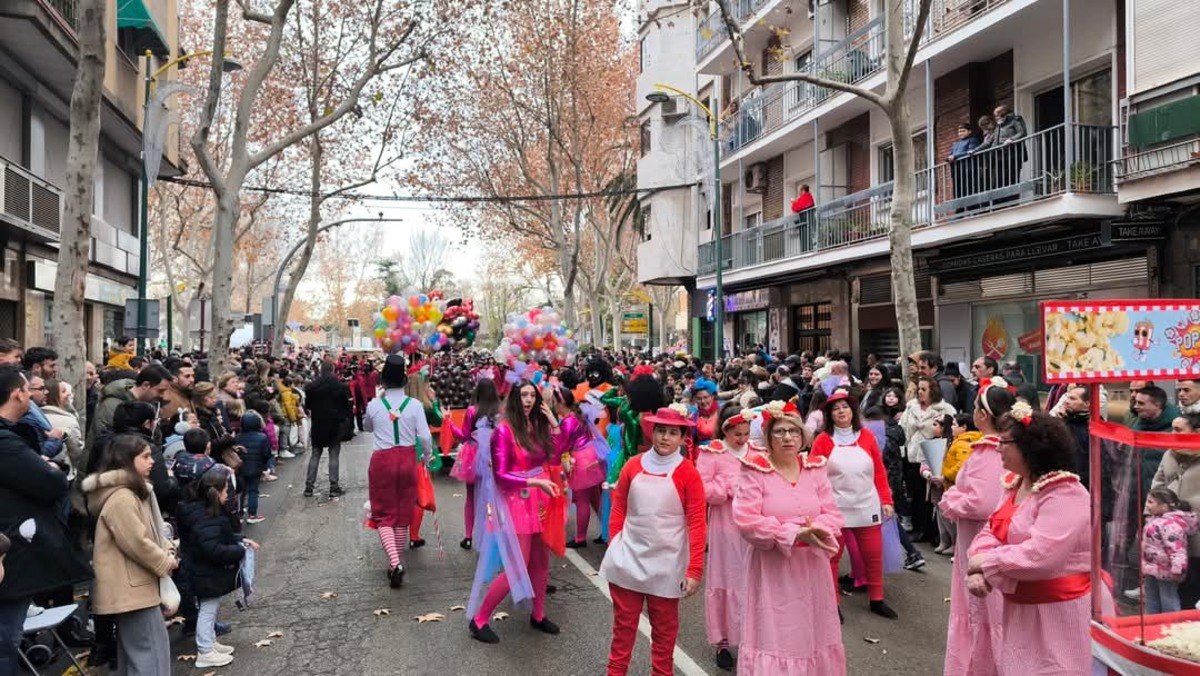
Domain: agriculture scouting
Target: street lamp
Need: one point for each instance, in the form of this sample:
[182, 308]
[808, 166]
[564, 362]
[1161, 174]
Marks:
[660, 95]
[228, 65]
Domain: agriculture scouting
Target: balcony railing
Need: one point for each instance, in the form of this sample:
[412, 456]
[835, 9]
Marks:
[711, 32]
[67, 9]
[1135, 164]
[1022, 172]
[29, 200]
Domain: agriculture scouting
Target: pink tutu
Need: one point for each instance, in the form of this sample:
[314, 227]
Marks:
[586, 470]
[464, 464]
[527, 506]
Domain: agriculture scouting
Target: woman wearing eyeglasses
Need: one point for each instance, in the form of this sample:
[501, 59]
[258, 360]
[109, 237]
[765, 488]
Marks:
[784, 507]
[1035, 551]
[860, 487]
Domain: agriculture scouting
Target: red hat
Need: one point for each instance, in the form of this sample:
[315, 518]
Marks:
[668, 415]
[838, 395]
[643, 370]
[735, 420]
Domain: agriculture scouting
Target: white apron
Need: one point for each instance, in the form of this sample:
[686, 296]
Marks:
[851, 472]
[650, 554]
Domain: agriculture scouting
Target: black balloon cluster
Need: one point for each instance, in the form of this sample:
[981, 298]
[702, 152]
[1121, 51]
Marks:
[453, 376]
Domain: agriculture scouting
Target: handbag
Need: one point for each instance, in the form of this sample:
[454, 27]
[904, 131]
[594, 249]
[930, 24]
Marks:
[168, 595]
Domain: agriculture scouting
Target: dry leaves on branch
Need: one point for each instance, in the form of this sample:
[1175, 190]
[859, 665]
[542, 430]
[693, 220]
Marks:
[263, 643]
[429, 617]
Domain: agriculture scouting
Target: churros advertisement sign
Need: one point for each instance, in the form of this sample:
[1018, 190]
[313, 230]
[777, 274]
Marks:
[1100, 341]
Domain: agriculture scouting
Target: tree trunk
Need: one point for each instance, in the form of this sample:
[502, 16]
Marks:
[306, 253]
[228, 207]
[904, 291]
[74, 249]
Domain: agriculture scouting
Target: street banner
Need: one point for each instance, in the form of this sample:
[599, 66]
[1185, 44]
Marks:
[1103, 341]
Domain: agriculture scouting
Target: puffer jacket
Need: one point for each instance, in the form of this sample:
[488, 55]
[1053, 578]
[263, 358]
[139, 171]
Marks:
[130, 552]
[957, 454]
[1164, 545]
[256, 446]
[111, 397]
[211, 550]
[1180, 472]
[288, 401]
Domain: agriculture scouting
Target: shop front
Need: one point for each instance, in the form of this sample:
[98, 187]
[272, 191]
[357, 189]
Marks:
[987, 301]
[877, 326]
[104, 307]
[746, 312]
[819, 315]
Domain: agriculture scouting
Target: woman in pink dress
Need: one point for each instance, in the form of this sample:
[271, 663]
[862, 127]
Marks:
[577, 440]
[486, 405]
[784, 507]
[1036, 551]
[973, 634]
[523, 457]
[719, 463]
[860, 487]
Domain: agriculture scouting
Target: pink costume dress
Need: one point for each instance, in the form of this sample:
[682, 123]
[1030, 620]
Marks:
[1037, 555]
[514, 465]
[464, 463]
[973, 637]
[724, 588]
[574, 437]
[790, 620]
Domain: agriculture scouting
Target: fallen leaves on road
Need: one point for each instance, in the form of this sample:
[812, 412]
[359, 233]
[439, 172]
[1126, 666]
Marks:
[275, 634]
[454, 608]
[946, 600]
[186, 658]
[500, 616]
[178, 619]
[263, 643]
[429, 617]
[263, 495]
[328, 595]
[456, 495]
[594, 573]
[209, 673]
[870, 640]
[380, 612]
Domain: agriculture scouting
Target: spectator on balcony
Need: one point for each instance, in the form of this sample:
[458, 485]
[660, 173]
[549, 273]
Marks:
[1010, 132]
[962, 170]
[804, 201]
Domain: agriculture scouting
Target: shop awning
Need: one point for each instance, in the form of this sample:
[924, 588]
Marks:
[135, 16]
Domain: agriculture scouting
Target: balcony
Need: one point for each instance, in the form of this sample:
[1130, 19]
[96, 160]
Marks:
[711, 31]
[28, 204]
[1024, 172]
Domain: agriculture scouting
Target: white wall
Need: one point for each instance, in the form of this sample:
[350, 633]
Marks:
[673, 227]
[669, 54]
[1037, 50]
[1162, 42]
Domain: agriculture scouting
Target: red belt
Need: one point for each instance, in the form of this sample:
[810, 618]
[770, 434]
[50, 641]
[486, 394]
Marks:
[1065, 588]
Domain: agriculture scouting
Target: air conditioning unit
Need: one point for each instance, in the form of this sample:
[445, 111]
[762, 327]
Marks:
[673, 108]
[756, 178]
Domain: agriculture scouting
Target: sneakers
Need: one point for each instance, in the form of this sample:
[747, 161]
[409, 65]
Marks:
[914, 561]
[308, 491]
[336, 492]
[222, 648]
[287, 455]
[213, 659]
[255, 519]
[1132, 594]
[482, 634]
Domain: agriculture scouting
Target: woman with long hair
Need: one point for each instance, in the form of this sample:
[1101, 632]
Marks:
[485, 403]
[719, 464]
[973, 636]
[131, 554]
[877, 384]
[397, 425]
[577, 440]
[860, 488]
[210, 410]
[523, 454]
[918, 420]
[419, 389]
[1035, 551]
[785, 508]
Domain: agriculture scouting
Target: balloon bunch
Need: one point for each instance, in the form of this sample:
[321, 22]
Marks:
[395, 328]
[460, 322]
[535, 336]
[426, 310]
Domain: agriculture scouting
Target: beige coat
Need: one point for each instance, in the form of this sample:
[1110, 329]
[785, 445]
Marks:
[1180, 472]
[130, 552]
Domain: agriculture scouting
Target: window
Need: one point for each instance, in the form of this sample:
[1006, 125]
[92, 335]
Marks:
[886, 157]
[812, 327]
[752, 220]
[708, 219]
[645, 138]
[802, 62]
[644, 223]
[642, 59]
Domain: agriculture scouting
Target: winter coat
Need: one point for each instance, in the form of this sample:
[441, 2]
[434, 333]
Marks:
[328, 401]
[949, 392]
[1164, 545]
[918, 426]
[111, 397]
[211, 551]
[893, 462]
[30, 489]
[1151, 458]
[784, 391]
[289, 402]
[1181, 473]
[257, 446]
[67, 421]
[1011, 128]
[119, 359]
[957, 454]
[130, 553]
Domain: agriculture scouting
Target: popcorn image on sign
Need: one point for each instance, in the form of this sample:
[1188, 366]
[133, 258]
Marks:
[1083, 341]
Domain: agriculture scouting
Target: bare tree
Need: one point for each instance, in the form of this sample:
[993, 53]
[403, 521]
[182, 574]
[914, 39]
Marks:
[421, 266]
[74, 249]
[899, 56]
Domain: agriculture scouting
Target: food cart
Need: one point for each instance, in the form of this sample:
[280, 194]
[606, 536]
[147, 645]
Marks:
[1094, 342]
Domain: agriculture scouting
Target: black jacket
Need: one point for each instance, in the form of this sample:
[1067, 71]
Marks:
[257, 446]
[784, 391]
[211, 551]
[893, 463]
[30, 489]
[328, 402]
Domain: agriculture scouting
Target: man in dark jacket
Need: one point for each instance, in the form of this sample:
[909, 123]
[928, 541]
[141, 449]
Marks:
[930, 365]
[33, 497]
[328, 402]
[964, 391]
[786, 388]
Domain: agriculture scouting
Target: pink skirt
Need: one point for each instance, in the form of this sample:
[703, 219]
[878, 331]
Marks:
[587, 470]
[527, 506]
[464, 464]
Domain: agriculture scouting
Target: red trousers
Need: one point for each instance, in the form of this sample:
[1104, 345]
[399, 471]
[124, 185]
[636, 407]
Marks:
[870, 544]
[664, 628]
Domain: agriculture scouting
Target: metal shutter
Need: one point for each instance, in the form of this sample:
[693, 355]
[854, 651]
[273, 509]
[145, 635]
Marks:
[1164, 44]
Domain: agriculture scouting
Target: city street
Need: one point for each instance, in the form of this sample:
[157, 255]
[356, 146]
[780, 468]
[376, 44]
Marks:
[314, 546]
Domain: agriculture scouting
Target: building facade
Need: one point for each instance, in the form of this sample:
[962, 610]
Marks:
[38, 56]
[1045, 216]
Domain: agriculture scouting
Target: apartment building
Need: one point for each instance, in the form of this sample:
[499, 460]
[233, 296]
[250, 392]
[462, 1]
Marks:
[38, 56]
[993, 234]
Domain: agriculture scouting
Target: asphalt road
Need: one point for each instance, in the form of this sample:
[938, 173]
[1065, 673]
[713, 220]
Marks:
[315, 546]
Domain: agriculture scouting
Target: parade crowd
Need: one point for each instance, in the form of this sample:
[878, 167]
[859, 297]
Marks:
[746, 481]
